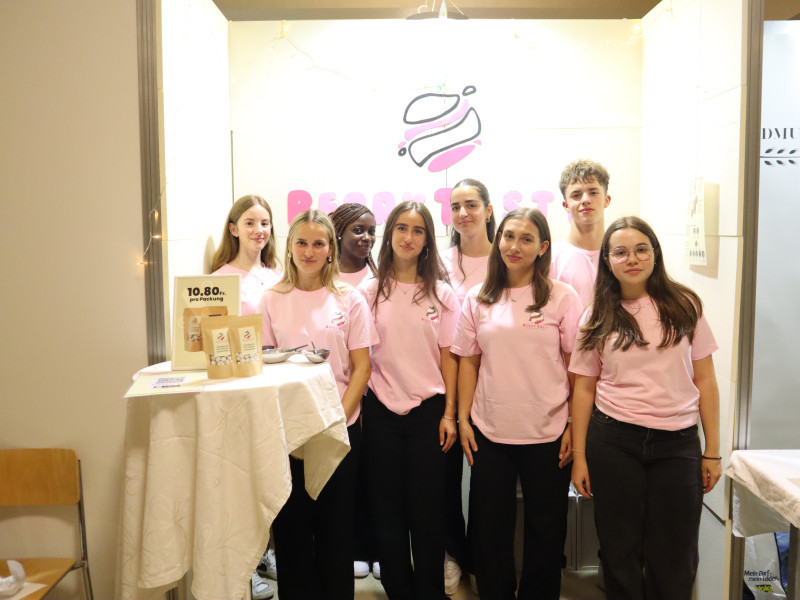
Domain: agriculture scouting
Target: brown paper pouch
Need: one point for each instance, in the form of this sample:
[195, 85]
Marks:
[192, 336]
[246, 341]
[217, 347]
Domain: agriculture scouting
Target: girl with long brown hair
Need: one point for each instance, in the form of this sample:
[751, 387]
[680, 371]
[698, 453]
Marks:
[410, 406]
[643, 374]
[514, 337]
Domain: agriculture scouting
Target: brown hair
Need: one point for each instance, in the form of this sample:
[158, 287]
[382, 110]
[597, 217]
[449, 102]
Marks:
[678, 307]
[429, 265]
[497, 274]
[583, 171]
[229, 247]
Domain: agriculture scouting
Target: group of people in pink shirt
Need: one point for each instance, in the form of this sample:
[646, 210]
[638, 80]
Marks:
[541, 363]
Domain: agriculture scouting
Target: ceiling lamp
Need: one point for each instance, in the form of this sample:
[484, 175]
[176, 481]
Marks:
[424, 13]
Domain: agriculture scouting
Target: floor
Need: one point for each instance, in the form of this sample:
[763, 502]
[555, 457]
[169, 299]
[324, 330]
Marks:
[576, 585]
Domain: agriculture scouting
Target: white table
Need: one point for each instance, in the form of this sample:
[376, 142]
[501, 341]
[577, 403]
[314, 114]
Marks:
[206, 472]
[766, 498]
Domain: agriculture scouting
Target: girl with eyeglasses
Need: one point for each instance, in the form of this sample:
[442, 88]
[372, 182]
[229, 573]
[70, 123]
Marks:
[643, 374]
[515, 337]
[410, 406]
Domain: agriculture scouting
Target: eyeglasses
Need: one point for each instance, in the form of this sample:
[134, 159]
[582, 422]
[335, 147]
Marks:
[620, 254]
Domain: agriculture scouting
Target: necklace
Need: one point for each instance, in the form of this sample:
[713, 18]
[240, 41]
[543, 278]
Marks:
[520, 295]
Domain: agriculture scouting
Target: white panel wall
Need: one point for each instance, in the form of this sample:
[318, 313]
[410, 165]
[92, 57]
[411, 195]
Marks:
[73, 293]
[774, 414]
[318, 106]
[692, 95]
[194, 92]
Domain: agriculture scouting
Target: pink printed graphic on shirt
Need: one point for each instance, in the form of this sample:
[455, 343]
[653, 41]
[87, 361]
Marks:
[432, 314]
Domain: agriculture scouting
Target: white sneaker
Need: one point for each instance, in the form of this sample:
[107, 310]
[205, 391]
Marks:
[267, 566]
[376, 570]
[360, 569]
[452, 575]
[260, 588]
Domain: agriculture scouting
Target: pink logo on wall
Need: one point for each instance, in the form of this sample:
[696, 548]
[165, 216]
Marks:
[457, 126]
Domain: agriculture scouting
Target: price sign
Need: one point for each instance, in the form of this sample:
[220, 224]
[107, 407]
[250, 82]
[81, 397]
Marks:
[196, 297]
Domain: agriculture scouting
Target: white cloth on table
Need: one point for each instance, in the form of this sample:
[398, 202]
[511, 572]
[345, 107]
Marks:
[766, 490]
[207, 472]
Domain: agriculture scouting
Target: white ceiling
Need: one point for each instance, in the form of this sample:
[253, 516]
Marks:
[277, 10]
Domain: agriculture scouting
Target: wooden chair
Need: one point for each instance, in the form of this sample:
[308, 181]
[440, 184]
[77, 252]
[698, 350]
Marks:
[42, 477]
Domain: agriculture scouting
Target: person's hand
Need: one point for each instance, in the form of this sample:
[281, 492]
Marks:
[565, 453]
[712, 472]
[580, 476]
[468, 443]
[447, 433]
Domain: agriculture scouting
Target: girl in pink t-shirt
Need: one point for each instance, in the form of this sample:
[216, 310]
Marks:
[248, 250]
[314, 540]
[514, 337]
[473, 226]
[643, 374]
[355, 237]
[410, 407]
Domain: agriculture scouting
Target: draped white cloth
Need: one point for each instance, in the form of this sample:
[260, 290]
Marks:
[766, 490]
[207, 472]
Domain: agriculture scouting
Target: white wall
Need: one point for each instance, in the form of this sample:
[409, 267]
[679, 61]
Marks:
[692, 92]
[73, 294]
[196, 165]
[318, 106]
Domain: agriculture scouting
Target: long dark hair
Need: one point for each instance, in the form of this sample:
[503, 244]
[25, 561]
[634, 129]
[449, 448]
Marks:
[345, 215]
[429, 265]
[678, 307]
[497, 275]
[455, 237]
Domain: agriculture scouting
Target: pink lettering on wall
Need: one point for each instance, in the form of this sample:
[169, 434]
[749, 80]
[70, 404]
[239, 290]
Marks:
[442, 196]
[382, 205]
[383, 202]
[511, 202]
[296, 202]
[326, 202]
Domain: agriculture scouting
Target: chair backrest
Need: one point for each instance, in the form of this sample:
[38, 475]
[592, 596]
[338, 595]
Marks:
[39, 476]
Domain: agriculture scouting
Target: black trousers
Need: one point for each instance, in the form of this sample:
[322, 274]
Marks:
[493, 508]
[455, 541]
[314, 539]
[406, 480]
[648, 495]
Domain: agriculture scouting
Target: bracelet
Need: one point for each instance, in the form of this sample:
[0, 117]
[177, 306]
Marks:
[569, 419]
[712, 457]
[462, 420]
[581, 451]
[448, 418]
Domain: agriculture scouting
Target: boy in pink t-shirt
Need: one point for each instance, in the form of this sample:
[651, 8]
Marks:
[584, 188]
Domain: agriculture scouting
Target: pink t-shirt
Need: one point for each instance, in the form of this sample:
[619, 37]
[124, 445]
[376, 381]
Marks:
[647, 386]
[357, 278]
[474, 271]
[407, 364]
[522, 390]
[254, 284]
[338, 323]
[576, 267]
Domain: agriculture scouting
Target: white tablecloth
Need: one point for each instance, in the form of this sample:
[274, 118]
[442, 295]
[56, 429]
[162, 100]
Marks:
[766, 490]
[207, 472]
